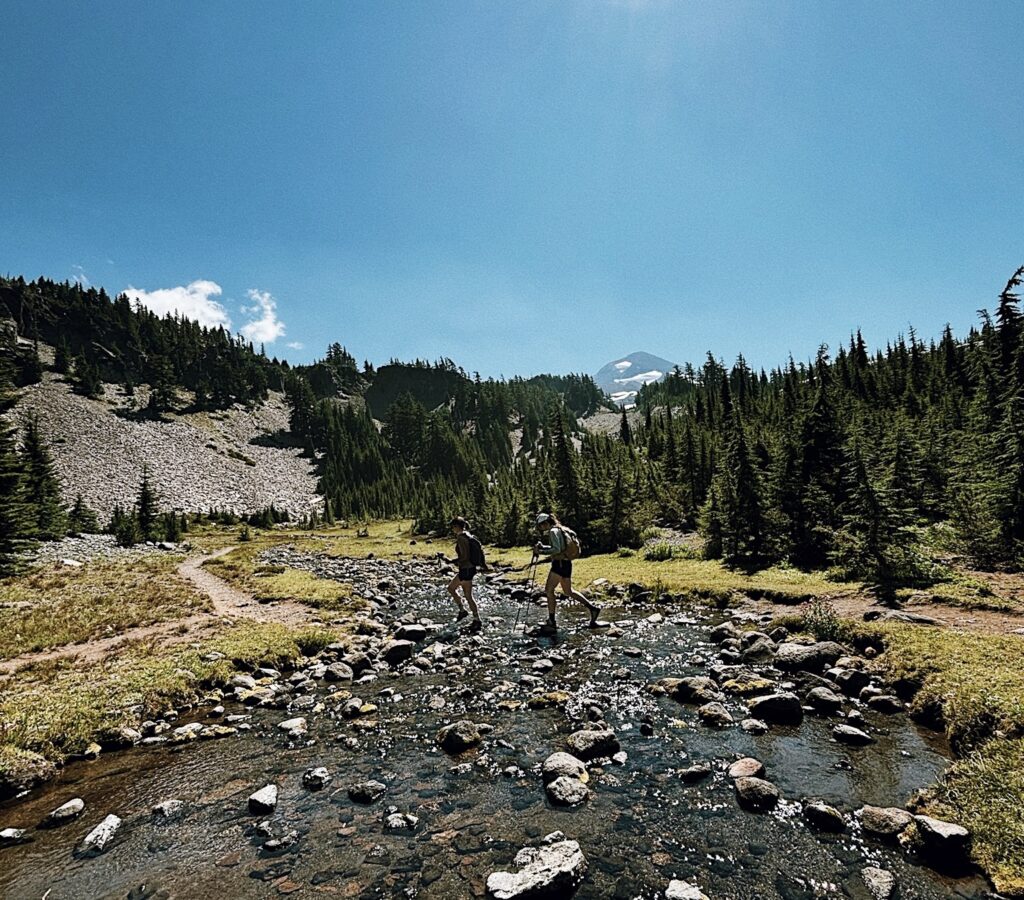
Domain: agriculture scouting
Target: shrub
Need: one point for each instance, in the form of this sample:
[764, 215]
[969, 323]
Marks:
[661, 552]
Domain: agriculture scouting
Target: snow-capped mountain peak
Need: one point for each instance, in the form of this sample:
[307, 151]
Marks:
[623, 378]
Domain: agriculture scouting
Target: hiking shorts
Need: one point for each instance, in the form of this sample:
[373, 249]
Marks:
[467, 574]
[562, 567]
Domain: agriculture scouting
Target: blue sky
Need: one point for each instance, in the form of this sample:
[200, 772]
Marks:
[522, 186]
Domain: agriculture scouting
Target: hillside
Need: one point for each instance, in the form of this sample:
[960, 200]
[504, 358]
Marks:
[231, 459]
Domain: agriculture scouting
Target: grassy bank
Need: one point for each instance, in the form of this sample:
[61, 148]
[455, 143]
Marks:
[53, 606]
[57, 709]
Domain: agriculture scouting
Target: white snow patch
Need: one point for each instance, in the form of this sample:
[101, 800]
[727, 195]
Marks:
[622, 366]
[623, 396]
[642, 378]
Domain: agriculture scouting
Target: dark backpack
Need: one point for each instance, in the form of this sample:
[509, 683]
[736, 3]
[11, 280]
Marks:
[476, 552]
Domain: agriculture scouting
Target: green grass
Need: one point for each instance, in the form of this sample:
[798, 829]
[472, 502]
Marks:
[56, 709]
[984, 791]
[53, 606]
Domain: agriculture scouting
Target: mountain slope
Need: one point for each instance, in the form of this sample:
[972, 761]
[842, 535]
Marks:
[621, 379]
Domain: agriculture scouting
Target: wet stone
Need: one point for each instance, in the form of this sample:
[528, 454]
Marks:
[9, 837]
[715, 715]
[780, 709]
[264, 800]
[747, 767]
[562, 764]
[683, 890]
[554, 870]
[823, 817]
[589, 744]
[754, 726]
[316, 778]
[367, 792]
[756, 794]
[847, 734]
[695, 773]
[169, 809]
[65, 813]
[824, 701]
[99, 839]
[884, 821]
[881, 883]
[459, 736]
[567, 790]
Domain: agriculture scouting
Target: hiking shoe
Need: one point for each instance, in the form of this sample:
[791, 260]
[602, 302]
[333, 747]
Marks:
[595, 611]
[462, 615]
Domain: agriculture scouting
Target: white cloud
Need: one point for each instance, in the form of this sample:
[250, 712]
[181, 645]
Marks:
[193, 301]
[80, 277]
[295, 345]
[267, 328]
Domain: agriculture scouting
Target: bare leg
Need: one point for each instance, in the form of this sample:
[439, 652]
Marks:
[467, 589]
[549, 589]
[453, 589]
[592, 608]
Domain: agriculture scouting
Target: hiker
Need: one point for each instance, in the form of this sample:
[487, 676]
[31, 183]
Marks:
[468, 558]
[563, 547]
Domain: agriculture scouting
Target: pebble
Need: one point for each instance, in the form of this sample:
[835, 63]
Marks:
[264, 800]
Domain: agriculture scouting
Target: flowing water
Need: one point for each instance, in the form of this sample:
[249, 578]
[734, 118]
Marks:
[641, 827]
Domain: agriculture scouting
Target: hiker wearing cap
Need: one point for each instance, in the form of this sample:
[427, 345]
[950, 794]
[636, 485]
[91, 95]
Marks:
[563, 547]
[468, 558]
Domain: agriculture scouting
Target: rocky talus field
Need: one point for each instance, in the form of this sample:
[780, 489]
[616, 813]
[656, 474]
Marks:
[236, 459]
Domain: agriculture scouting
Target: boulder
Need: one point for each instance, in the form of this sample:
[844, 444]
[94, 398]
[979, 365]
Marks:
[100, 838]
[761, 650]
[747, 684]
[756, 794]
[695, 773]
[459, 736]
[724, 632]
[293, 727]
[357, 662]
[793, 657]
[168, 809]
[884, 821]
[567, 791]
[591, 744]
[715, 715]
[754, 726]
[698, 689]
[367, 792]
[683, 890]
[780, 709]
[885, 703]
[847, 734]
[554, 870]
[414, 633]
[396, 652]
[339, 672]
[747, 767]
[70, 810]
[823, 817]
[9, 837]
[824, 701]
[943, 843]
[852, 681]
[881, 883]
[401, 822]
[264, 801]
[562, 764]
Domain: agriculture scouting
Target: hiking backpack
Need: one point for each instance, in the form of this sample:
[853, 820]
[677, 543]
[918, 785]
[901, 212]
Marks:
[573, 547]
[476, 552]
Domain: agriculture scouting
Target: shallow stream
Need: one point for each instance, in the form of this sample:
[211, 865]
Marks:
[641, 827]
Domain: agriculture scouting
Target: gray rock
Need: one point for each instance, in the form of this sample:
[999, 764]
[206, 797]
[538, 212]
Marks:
[683, 890]
[567, 791]
[756, 794]
[847, 734]
[264, 800]
[747, 767]
[367, 792]
[824, 817]
[698, 689]
[357, 662]
[555, 870]
[761, 650]
[562, 764]
[695, 773]
[852, 681]
[780, 709]
[724, 632]
[396, 652]
[824, 700]
[169, 809]
[100, 838]
[754, 726]
[459, 736]
[793, 657]
[401, 822]
[9, 837]
[715, 715]
[316, 778]
[881, 883]
[945, 842]
[591, 744]
[339, 672]
[70, 810]
[293, 727]
[884, 821]
[414, 633]
[885, 703]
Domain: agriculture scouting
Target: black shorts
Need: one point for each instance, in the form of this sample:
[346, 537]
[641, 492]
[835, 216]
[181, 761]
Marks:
[562, 567]
[467, 574]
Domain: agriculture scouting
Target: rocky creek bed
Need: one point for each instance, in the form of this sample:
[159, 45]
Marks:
[420, 762]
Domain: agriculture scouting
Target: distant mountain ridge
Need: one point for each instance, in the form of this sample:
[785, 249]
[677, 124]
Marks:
[622, 378]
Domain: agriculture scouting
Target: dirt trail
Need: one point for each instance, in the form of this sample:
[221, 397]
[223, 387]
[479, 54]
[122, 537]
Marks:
[229, 604]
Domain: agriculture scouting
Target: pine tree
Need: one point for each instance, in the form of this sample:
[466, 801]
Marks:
[625, 432]
[62, 356]
[41, 487]
[81, 519]
[15, 515]
[146, 509]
